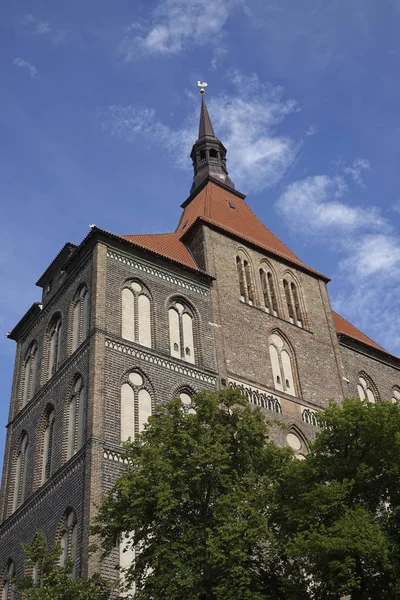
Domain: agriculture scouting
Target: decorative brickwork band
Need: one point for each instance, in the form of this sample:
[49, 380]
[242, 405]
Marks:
[309, 416]
[161, 362]
[256, 396]
[147, 268]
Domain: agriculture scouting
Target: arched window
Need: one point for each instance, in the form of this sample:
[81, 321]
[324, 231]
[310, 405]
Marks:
[366, 389]
[30, 371]
[75, 418]
[295, 440]
[186, 398]
[268, 291]
[396, 395]
[54, 345]
[181, 334]
[48, 439]
[20, 472]
[136, 406]
[80, 317]
[246, 287]
[69, 539]
[8, 587]
[292, 297]
[136, 314]
[283, 366]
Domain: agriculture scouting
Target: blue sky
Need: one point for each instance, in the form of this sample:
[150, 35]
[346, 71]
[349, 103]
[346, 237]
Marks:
[99, 109]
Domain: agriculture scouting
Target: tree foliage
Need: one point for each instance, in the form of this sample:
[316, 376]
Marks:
[216, 511]
[53, 582]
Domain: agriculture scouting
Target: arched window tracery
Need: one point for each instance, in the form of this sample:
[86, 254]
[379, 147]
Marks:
[395, 395]
[245, 277]
[268, 290]
[136, 405]
[80, 317]
[186, 396]
[136, 314]
[181, 331]
[283, 364]
[21, 468]
[30, 373]
[293, 302]
[296, 441]
[366, 389]
[75, 418]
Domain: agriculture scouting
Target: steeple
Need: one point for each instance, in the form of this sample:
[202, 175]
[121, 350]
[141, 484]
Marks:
[208, 153]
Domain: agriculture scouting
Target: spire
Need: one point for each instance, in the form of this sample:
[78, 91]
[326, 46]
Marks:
[205, 127]
[208, 152]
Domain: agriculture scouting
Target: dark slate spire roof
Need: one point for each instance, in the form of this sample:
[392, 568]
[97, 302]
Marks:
[208, 154]
[205, 127]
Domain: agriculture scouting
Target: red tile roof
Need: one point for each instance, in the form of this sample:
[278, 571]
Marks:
[343, 327]
[165, 244]
[228, 211]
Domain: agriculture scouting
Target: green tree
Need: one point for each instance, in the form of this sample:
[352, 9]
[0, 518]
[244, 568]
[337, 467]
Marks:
[337, 514]
[53, 582]
[217, 511]
[194, 499]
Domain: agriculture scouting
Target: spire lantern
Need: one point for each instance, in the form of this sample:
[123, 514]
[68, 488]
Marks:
[208, 152]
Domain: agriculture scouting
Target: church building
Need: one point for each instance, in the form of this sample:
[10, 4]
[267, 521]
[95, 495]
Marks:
[130, 321]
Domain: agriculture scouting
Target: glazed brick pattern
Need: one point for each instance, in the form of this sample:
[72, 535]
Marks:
[44, 511]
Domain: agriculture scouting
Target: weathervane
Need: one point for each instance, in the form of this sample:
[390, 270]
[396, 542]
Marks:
[202, 85]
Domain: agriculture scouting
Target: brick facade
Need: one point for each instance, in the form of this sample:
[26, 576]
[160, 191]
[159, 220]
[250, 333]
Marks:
[231, 339]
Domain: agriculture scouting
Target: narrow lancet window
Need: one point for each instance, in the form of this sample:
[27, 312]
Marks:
[54, 346]
[75, 418]
[136, 314]
[282, 363]
[21, 468]
[80, 317]
[48, 446]
[181, 332]
[136, 406]
[365, 389]
[30, 373]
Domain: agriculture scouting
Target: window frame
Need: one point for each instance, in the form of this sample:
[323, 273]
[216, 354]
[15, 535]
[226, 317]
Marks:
[287, 348]
[144, 291]
[184, 344]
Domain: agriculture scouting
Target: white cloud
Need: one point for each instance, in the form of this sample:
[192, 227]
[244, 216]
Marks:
[36, 25]
[374, 254]
[316, 204]
[356, 169]
[176, 25]
[312, 130]
[365, 289]
[246, 122]
[24, 64]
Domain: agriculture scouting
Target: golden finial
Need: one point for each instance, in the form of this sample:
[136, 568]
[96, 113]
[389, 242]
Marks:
[202, 85]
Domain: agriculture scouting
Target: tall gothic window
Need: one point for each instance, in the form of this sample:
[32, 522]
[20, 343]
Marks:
[54, 345]
[69, 539]
[365, 388]
[75, 418]
[8, 587]
[80, 317]
[295, 440]
[246, 287]
[282, 362]
[30, 371]
[293, 303]
[21, 468]
[135, 406]
[48, 439]
[181, 331]
[268, 291]
[136, 314]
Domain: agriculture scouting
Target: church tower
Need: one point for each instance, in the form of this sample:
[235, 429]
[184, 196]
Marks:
[127, 322]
